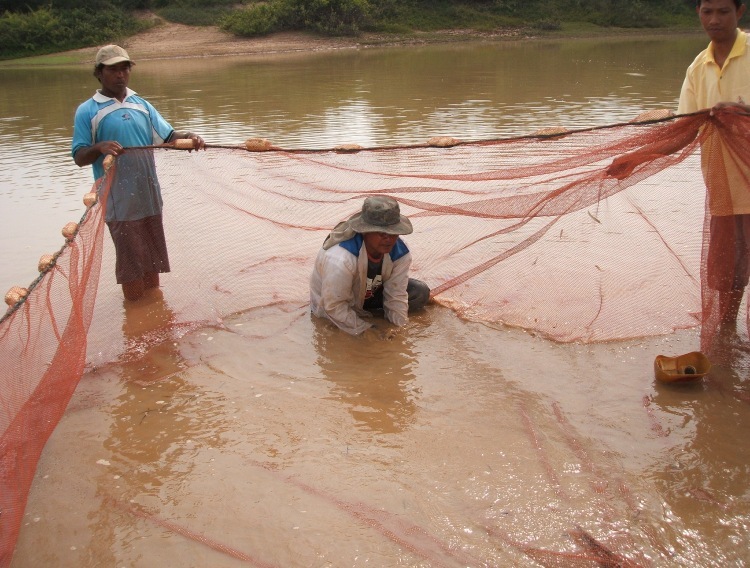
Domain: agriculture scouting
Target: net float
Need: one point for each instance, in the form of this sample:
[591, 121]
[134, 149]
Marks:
[45, 261]
[654, 114]
[347, 148]
[184, 144]
[552, 131]
[442, 141]
[69, 230]
[89, 199]
[14, 295]
[108, 161]
[257, 144]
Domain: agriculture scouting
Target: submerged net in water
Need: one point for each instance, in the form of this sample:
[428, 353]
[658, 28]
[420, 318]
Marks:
[584, 236]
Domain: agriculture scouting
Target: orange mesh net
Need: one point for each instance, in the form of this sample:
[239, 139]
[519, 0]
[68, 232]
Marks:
[590, 235]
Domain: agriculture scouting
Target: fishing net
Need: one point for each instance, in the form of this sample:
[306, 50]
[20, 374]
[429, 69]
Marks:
[590, 235]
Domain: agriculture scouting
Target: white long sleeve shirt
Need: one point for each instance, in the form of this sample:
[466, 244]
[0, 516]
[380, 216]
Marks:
[339, 282]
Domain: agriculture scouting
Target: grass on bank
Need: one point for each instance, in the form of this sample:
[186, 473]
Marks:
[349, 17]
[50, 30]
[38, 27]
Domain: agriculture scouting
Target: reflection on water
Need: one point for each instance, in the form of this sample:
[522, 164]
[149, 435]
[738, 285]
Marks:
[710, 416]
[158, 423]
[278, 439]
[375, 380]
[372, 97]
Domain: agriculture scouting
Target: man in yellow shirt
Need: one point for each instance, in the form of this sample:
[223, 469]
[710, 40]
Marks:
[719, 78]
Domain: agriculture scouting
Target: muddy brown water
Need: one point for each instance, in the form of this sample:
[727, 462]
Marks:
[279, 441]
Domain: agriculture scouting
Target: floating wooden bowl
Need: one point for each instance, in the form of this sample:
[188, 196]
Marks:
[685, 368]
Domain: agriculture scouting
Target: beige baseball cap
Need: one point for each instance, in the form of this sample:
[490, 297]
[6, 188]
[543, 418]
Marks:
[111, 54]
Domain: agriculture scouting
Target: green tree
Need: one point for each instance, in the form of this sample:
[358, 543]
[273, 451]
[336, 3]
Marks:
[47, 29]
[330, 17]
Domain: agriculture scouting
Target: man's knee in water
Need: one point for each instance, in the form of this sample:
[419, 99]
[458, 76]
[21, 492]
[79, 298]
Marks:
[419, 294]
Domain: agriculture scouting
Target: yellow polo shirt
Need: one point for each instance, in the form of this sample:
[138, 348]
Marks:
[727, 177]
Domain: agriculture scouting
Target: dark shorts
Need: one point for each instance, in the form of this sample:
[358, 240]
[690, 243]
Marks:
[418, 291]
[140, 248]
[728, 252]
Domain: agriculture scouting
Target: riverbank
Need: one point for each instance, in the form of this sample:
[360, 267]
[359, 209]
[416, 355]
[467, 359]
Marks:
[167, 40]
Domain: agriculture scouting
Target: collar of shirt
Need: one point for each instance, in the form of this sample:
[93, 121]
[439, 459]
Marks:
[98, 97]
[740, 44]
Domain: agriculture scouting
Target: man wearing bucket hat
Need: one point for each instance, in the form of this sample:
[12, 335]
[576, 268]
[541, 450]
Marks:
[364, 266]
[113, 119]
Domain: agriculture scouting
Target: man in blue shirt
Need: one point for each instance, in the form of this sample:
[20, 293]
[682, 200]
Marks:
[113, 119]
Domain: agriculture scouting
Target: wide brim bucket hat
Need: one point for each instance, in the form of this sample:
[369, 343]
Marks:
[381, 214]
